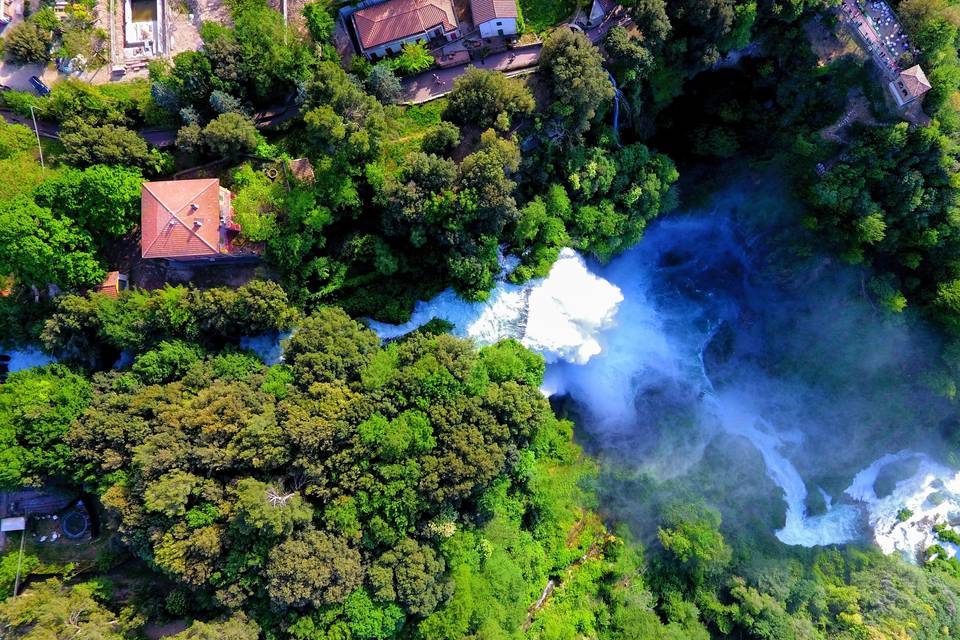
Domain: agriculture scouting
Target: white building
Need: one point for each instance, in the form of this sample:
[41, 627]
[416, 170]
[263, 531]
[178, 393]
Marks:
[495, 17]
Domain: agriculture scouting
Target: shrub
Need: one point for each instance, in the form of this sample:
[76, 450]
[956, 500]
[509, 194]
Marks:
[383, 83]
[27, 43]
[442, 139]
[487, 99]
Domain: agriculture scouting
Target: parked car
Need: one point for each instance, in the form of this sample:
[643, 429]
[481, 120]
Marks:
[38, 85]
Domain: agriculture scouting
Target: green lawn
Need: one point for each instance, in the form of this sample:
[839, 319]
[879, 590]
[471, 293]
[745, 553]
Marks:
[407, 127]
[540, 15]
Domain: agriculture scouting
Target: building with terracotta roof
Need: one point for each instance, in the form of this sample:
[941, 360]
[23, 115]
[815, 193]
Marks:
[495, 17]
[910, 85]
[382, 29]
[186, 220]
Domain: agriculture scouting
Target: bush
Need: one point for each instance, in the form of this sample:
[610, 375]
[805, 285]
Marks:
[27, 43]
[383, 83]
[487, 99]
[441, 140]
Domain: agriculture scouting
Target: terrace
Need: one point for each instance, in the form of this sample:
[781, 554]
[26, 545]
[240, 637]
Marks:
[878, 27]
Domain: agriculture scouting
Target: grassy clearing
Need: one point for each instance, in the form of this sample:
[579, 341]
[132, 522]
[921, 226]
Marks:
[541, 15]
[407, 127]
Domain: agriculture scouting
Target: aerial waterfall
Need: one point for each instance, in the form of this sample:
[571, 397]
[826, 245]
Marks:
[627, 343]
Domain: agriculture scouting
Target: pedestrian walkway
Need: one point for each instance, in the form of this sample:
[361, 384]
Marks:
[434, 84]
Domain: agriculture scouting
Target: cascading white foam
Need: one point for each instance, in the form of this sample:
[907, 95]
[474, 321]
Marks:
[903, 520]
[560, 316]
[838, 524]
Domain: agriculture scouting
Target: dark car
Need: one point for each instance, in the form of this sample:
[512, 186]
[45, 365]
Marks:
[41, 88]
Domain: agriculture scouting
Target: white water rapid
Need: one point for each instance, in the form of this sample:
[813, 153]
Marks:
[560, 316]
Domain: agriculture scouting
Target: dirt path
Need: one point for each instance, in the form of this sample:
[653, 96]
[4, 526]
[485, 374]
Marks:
[858, 110]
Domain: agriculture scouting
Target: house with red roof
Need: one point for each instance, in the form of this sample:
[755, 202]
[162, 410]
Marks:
[186, 220]
[382, 29]
[495, 17]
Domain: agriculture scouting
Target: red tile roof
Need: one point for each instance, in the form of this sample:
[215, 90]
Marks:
[915, 81]
[484, 10]
[398, 19]
[180, 219]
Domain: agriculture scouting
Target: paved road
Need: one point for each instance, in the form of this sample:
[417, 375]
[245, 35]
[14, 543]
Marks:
[425, 87]
[434, 84]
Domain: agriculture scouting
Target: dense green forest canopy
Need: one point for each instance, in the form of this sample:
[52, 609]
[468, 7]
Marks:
[425, 488]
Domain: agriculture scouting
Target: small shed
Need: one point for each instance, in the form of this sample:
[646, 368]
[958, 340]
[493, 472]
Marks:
[114, 283]
[302, 170]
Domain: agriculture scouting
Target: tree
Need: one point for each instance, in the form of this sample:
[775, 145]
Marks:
[627, 54]
[225, 56]
[27, 43]
[691, 535]
[103, 200]
[313, 570]
[383, 83]
[168, 361]
[72, 98]
[83, 325]
[39, 248]
[441, 140]
[190, 138]
[320, 22]
[236, 627]
[36, 409]
[222, 102]
[231, 135]
[488, 98]
[87, 145]
[573, 70]
[414, 58]
[51, 609]
[329, 346]
[265, 510]
[411, 575]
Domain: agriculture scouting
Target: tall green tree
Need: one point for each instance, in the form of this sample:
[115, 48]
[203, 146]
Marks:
[573, 70]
